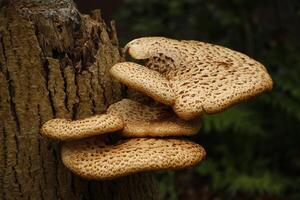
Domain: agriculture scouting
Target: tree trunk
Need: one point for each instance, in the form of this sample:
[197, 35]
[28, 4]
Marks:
[54, 62]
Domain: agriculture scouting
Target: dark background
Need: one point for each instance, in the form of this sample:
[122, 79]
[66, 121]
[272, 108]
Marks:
[253, 148]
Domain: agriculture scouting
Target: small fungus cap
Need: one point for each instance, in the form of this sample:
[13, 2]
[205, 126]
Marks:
[65, 129]
[93, 159]
[151, 120]
[193, 77]
[150, 82]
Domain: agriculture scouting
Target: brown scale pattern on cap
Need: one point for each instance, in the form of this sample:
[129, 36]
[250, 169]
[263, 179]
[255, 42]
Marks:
[203, 77]
[141, 78]
[151, 120]
[93, 159]
[65, 129]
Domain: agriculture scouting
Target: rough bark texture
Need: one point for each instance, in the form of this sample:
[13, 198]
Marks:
[54, 63]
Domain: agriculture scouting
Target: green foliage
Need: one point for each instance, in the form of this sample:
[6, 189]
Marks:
[253, 147]
[242, 120]
[235, 181]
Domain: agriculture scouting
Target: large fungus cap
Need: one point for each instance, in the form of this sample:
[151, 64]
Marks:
[65, 129]
[194, 77]
[93, 159]
[151, 120]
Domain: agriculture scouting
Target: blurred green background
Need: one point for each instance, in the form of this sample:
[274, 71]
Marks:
[253, 149]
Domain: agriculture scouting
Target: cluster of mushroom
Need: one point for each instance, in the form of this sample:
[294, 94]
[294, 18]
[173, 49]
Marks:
[185, 79]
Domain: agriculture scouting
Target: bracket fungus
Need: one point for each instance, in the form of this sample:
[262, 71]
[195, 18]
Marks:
[131, 118]
[193, 77]
[65, 129]
[151, 120]
[96, 158]
[93, 159]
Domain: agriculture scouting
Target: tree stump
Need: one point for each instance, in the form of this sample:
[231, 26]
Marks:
[54, 62]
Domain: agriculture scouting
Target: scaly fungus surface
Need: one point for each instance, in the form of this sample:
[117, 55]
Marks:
[191, 76]
[151, 120]
[129, 117]
[65, 129]
[93, 159]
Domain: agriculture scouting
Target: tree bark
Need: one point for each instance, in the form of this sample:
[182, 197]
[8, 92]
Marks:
[54, 62]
